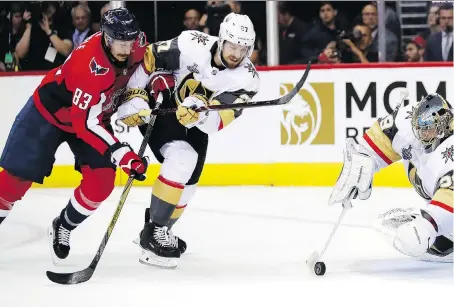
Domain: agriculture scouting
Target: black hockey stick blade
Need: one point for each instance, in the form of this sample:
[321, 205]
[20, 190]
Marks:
[250, 104]
[71, 278]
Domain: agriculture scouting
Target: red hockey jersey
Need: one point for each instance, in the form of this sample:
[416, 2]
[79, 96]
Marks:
[81, 95]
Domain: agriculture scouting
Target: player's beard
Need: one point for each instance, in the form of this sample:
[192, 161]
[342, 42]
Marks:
[232, 62]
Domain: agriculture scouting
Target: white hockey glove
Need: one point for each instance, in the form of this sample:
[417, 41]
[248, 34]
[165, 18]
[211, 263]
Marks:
[356, 175]
[407, 230]
[134, 101]
[186, 114]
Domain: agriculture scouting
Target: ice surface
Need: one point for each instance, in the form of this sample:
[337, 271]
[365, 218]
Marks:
[247, 246]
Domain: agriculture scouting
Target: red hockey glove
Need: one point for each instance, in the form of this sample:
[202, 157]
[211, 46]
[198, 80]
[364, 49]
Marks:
[162, 83]
[124, 156]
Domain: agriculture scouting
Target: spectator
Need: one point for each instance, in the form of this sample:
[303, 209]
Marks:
[292, 32]
[357, 46]
[439, 45]
[192, 20]
[96, 26]
[433, 22]
[414, 51]
[370, 18]
[45, 44]
[81, 21]
[330, 54]
[215, 13]
[9, 36]
[324, 32]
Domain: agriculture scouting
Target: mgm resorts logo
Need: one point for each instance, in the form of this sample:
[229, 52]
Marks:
[309, 117]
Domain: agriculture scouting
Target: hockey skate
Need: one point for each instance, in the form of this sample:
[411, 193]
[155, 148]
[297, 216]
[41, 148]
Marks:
[157, 247]
[176, 241]
[58, 241]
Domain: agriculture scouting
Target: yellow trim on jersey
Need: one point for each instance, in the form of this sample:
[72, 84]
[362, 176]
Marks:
[382, 142]
[445, 196]
[227, 116]
[272, 174]
[149, 59]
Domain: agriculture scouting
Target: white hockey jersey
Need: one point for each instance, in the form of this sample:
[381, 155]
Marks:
[391, 139]
[190, 58]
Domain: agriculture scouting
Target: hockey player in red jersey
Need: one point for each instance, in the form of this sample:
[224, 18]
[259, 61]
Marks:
[74, 104]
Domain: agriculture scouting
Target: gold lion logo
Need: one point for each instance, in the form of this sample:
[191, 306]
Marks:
[309, 117]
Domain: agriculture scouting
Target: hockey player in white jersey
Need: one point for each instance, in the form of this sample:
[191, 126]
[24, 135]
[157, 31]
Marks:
[421, 136]
[208, 70]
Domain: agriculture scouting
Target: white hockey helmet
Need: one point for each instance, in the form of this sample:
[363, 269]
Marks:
[237, 29]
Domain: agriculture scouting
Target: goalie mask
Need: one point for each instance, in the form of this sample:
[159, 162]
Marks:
[432, 120]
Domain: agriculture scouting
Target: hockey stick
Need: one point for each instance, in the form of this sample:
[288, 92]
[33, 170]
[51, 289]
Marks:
[314, 259]
[244, 105]
[86, 274]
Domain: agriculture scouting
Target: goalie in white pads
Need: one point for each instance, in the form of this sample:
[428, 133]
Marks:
[208, 70]
[421, 136]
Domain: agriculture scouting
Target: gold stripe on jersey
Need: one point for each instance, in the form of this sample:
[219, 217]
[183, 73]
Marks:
[171, 194]
[227, 116]
[149, 59]
[445, 196]
[382, 142]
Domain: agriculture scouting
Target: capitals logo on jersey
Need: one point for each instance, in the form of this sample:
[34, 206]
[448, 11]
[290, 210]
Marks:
[98, 70]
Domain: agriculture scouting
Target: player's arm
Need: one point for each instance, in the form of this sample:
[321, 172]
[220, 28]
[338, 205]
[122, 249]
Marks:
[160, 56]
[86, 116]
[211, 122]
[361, 161]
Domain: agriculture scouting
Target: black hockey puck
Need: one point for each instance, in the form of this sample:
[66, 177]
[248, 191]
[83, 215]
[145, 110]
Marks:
[320, 268]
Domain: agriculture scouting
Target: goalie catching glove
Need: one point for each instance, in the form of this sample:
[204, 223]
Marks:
[356, 175]
[122, 155]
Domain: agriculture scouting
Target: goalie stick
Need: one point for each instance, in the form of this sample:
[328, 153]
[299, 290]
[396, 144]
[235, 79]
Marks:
[244, 105]
[85, 274]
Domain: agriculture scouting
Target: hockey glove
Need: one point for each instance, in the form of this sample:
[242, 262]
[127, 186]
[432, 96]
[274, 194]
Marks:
[186, 114]
[162, 83]
[134, 100]
[356, 175]
[124, 156]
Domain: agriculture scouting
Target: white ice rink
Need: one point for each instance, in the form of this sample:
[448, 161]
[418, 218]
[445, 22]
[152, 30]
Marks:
[247, 246]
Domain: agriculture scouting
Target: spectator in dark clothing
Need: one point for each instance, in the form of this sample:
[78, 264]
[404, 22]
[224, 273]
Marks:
[9, 36]
[45, 43]
[433, 22]
[292, 32]
[440, 44]
[322, 34]
[192, 20]
[358, 51]
[370, 18]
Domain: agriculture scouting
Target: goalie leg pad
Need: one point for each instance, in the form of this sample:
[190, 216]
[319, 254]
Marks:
[416, 237]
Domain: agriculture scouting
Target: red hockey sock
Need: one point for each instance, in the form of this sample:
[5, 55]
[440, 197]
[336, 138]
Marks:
[12, 189]
[95, 187]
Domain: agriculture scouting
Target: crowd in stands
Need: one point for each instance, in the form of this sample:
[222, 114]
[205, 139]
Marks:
[40, 35]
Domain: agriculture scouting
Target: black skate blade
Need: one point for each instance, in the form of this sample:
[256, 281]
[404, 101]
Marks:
[70, 278]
